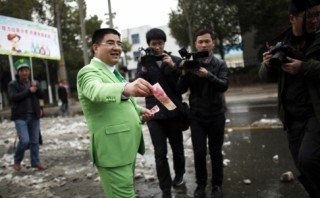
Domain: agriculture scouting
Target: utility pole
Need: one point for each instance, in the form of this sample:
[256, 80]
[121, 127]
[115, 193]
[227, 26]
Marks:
[110, 14]
[62, 73]
[83, 33]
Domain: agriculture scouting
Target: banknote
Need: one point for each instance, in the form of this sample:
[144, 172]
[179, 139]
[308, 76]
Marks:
[159, 93]
[154, 109]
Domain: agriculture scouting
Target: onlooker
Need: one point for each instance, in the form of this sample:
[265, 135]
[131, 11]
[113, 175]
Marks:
[207, 112]
[298, 78]
[63, 96]
[113, 117]
[123, 70]
[165, 124]
[24, 95]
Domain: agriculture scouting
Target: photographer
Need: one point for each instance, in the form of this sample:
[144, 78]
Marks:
[158, 66]
[207, 85]
[299, 92]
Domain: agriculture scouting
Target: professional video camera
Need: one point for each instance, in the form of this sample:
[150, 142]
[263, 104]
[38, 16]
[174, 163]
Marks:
[195, 63]
[280, 52]
[148, 56]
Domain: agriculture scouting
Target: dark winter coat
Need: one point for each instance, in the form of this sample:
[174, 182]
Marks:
[63, 94]
[18, 95]
[310, 69]
[206, 94]
[167, 77]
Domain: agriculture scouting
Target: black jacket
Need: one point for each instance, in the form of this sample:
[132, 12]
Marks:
[167, 77]
[310, 70]
[18, 95]
[63, 94]
[206, 94]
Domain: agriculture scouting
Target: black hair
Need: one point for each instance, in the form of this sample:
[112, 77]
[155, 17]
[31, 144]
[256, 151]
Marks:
[98, 35]
[298, 6]
[156, 34]
[203, 31]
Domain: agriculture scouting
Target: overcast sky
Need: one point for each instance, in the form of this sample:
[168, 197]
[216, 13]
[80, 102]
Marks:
[133, 13]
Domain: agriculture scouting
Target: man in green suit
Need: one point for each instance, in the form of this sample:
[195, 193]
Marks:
[114, 119]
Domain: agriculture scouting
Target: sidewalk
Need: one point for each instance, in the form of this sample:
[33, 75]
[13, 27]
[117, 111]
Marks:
[250, 93]
[233, 94]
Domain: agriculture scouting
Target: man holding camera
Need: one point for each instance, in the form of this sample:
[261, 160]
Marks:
[299, 91]
[157, 66]
[207, 84]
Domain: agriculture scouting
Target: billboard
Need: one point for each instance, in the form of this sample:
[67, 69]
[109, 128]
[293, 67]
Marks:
[25, 38]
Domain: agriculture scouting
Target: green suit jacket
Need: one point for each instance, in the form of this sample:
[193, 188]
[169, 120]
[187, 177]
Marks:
[114, 124]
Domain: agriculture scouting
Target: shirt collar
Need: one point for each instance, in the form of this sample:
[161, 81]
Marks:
[110, 68]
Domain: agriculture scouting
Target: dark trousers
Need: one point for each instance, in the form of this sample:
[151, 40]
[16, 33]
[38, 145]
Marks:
[160, 131]
[28, 130]
[214, 131]
[304, 145]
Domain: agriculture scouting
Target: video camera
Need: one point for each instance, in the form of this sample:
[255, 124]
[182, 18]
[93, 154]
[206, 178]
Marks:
[195, 63]
[149, 57]
[280, 52]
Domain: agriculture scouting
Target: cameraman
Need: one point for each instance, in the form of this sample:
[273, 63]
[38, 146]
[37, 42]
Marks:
[165, 124]
[299, 93]
[207, 86]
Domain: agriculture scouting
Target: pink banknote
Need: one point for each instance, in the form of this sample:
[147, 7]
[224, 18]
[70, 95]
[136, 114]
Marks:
[162, 97]
[154, 109]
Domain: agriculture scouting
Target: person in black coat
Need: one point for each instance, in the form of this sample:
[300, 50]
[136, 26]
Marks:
[24, 95]
[63, 97]
[165, 124]
[207, 85]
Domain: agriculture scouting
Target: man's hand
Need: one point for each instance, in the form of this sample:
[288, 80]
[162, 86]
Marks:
[33, 88]
[138, 88]
[202, 72]
[183, 70]
[146, 114]
[266, 57]
[144, 69]
[168, 59]
[293, 67]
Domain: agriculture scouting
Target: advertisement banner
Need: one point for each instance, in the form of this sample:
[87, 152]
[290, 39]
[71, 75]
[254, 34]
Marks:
[25, 38]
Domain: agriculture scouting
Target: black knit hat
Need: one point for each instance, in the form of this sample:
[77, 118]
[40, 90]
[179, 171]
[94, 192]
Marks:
[298, 6]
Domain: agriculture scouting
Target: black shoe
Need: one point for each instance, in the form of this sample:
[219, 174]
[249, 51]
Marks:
[166, 194]
[178, 181]
[216, 192]
[200, 192]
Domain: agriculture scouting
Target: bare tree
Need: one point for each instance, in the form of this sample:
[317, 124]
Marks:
[83, 33]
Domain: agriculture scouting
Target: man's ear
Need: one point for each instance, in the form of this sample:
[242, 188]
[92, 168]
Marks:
[95, 47]
[291, 18]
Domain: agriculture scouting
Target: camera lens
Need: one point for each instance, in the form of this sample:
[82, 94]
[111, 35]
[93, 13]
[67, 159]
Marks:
[277, 59]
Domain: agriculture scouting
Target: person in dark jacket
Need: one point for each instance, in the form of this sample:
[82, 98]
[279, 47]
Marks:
[207, 112]
[299, 92]
[24, 95]
[63, 97]
[165, 124]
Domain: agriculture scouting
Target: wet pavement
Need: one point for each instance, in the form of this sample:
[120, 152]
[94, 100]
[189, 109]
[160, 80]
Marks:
[255, 156]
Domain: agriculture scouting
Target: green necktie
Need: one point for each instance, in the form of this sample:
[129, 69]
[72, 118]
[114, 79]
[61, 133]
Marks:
[118, 75]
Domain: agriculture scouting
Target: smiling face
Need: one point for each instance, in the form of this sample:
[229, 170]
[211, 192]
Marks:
[109, 49]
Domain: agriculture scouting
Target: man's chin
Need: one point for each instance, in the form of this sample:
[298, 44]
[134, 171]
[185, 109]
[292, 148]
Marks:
[115, 59]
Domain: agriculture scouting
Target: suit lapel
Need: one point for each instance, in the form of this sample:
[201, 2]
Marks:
[110, 75]
[104, 70]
